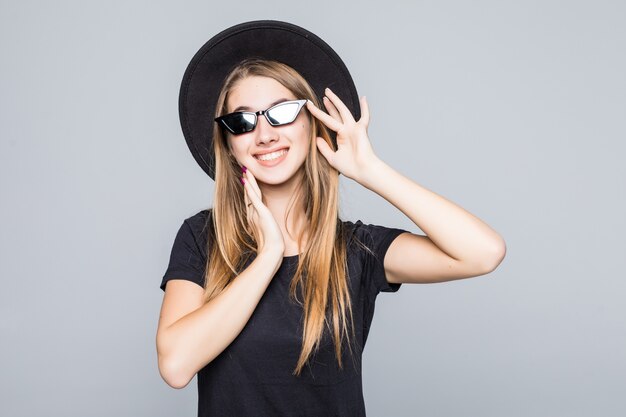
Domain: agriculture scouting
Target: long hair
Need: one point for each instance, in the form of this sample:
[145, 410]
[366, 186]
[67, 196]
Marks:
[321, 274]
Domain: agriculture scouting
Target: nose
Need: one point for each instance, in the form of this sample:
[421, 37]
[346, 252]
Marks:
[265, 132]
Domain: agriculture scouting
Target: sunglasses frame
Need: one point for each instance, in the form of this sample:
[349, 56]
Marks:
[222, 122]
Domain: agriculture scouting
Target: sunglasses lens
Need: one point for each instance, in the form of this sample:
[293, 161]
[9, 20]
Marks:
[240, 122]
[244, 122]
[283, 113]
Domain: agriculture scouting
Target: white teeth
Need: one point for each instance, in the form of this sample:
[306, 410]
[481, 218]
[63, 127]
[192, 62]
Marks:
[271, 156]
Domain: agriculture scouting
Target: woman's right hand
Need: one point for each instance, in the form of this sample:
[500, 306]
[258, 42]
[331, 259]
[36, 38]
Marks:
[267, 232]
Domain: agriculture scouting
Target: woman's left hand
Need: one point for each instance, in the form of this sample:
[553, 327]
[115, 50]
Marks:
[354, 152]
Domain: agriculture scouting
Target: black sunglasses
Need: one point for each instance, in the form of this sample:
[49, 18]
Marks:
[241, 122]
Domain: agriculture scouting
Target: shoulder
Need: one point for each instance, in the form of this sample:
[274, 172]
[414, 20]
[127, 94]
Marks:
[199, 222]
[200, 217]
[189, 251]
[370, 237]
[368, 232]
[196, 230]
[368, 243]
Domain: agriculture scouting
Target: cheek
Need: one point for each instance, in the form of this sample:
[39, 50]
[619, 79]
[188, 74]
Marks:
[305, 129]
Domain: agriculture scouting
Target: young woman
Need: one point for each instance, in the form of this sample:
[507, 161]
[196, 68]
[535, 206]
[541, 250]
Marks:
[269, 295]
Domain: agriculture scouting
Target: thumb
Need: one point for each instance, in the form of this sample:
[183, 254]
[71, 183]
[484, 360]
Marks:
[325, 150]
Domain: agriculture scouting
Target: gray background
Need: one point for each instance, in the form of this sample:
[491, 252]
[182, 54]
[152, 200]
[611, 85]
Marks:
[513, 110]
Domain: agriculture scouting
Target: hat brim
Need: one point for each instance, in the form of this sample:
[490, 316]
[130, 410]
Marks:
[292, 45]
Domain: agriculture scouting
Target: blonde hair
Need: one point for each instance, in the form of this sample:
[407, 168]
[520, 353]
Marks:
[322, 267]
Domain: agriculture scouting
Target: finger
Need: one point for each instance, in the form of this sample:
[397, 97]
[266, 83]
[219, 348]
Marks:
[249, 208]
[255, 186]
[346, 116]
[325, 150]
[246, 199]
[365, 112]
[254, 194]
[328, 120]
[254, 198]
[248, 203]
[332, 110]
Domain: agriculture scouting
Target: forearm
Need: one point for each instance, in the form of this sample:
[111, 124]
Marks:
[455, 231]
[193, 341]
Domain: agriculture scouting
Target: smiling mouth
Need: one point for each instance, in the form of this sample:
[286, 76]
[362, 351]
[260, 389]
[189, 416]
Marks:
[271, 156]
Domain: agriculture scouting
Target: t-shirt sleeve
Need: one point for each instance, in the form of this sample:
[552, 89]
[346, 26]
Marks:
[377, 239]
[188, 256]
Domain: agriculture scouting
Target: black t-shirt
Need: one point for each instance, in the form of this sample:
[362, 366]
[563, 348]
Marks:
[253, 375]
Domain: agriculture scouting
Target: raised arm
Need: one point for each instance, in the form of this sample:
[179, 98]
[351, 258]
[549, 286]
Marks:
[457, 244]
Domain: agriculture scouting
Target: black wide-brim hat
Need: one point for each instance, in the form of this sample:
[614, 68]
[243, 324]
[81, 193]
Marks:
[284, 42]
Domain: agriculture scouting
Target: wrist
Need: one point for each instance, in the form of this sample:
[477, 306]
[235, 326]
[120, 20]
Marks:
[373, 171]
[271, 258]
[274, 252]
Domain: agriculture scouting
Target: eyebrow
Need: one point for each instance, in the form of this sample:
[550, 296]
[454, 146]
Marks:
[246, 108]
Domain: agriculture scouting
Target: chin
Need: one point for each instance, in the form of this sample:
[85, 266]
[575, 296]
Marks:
[277, 178]
[273, 180]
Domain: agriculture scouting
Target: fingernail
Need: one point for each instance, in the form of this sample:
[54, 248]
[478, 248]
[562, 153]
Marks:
[243, 169]
[242, 181]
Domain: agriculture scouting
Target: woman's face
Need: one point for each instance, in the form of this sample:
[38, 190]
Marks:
[274, 154]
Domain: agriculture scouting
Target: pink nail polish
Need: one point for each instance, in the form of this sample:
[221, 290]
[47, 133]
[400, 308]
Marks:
[242, 181]
[243, 169]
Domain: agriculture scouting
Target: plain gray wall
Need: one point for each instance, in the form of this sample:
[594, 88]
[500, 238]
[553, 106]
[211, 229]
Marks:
[513, 110]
